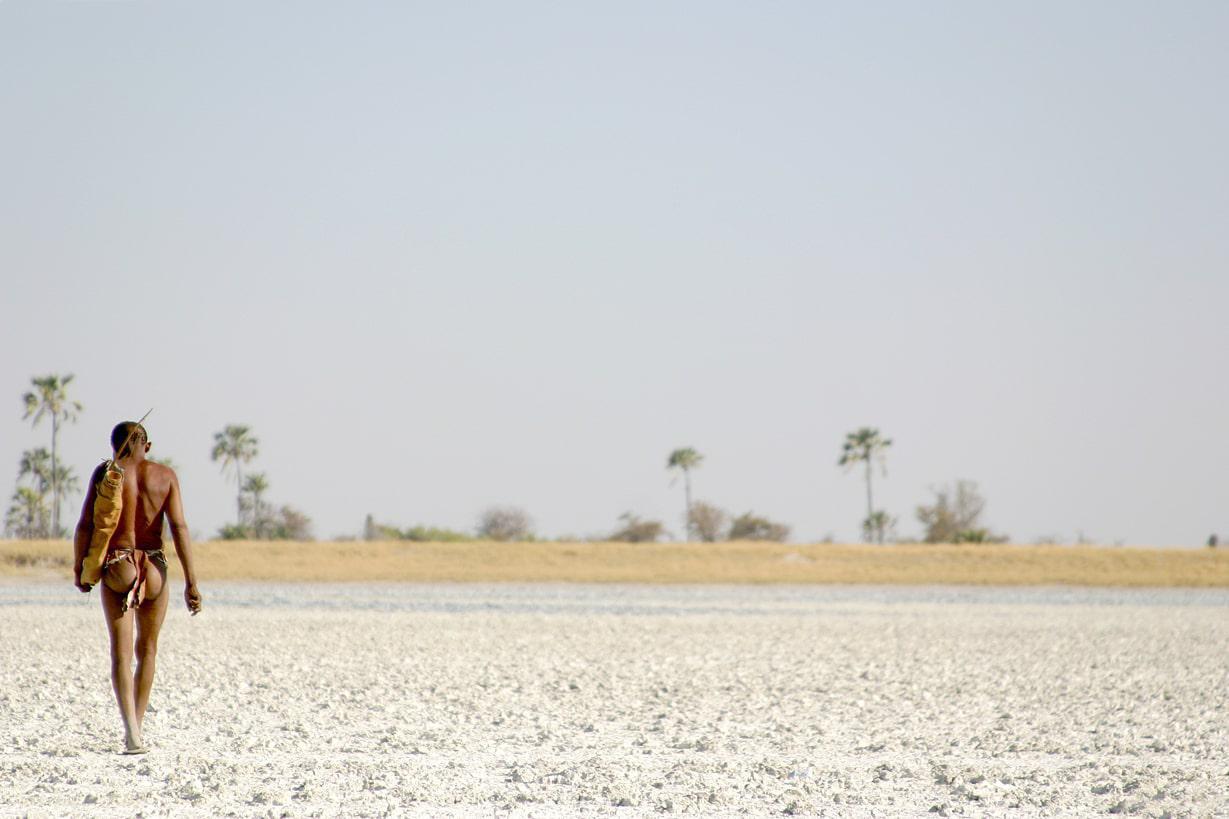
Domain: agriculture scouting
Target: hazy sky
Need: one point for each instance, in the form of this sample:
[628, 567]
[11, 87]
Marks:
[445, 255]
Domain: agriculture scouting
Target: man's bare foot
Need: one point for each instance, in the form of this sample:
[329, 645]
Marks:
[134, 745]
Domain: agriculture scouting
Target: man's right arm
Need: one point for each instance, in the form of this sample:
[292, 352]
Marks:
[183, 545]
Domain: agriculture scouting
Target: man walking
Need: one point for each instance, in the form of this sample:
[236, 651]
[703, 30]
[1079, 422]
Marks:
[134, 570]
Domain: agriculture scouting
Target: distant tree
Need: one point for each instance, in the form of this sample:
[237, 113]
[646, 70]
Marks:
[865, 446]
[504, 523]
[282, 523]
[637, 530]
[752, 527]
[685, 460]
[35, 464]
[877, 526]
[954, 516]
[708, 522]
[255, 486]
[382, 531]
[35, 467]
[27, 517]
[49, 398]
[290, 524]
[234, 531]
[234, 446]
[66, 478]
[267, 522]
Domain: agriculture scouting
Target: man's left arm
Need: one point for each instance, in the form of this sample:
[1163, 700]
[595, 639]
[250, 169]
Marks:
[84, 533]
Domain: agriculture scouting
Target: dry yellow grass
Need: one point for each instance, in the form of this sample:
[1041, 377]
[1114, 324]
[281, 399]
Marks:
[670, 563]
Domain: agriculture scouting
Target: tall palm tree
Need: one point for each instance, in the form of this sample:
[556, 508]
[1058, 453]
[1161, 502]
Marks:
[234, 446]
[685, 459]
[66, 479]
[50, 398]
[257, 485]
[865, 446]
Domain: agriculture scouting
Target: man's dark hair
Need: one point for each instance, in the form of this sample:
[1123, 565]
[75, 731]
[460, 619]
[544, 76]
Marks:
[120, 434]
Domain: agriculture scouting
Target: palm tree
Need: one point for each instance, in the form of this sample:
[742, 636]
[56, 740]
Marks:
[864, 446]
[685, 459]
[50, 397]
[257, 485]
[66, 479]
[36, 465]
[234, 446]
[27, 517]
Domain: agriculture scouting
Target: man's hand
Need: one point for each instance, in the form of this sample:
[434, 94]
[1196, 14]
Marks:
[193, 598]
[84, 587]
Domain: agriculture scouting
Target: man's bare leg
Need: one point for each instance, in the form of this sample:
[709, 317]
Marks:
[150, 615]
[119, 628]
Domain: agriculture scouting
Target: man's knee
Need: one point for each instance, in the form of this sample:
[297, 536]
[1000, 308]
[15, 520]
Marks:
[147, 649]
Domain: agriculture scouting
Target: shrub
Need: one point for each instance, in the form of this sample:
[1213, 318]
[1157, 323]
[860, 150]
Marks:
[289, 523]
[751, 527]
[433, 534]
[284, 523]
[505, 523]
[708, 522]
[637, 530]
[955, 516]
[418, 532]
[979, 536]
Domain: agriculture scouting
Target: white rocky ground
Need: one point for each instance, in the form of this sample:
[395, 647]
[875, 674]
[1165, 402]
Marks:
[541, 701]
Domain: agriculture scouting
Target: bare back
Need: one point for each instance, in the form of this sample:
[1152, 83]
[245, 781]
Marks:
[150, 495]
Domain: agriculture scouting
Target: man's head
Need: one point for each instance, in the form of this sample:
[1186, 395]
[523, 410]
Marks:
[138, 443]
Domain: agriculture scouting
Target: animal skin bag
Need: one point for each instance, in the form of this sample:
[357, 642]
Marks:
[108, 503]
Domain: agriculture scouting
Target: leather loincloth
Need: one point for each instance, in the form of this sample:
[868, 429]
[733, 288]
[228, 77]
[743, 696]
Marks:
[139, 558]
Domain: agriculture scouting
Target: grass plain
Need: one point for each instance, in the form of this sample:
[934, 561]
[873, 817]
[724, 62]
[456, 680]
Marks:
[734, 562]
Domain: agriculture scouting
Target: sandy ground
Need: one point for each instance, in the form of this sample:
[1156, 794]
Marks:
[627, 701]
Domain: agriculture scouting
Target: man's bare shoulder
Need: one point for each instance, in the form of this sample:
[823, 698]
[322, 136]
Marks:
[161, 474]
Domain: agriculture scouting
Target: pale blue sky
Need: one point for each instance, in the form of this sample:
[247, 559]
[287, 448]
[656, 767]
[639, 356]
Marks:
[442, 256]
